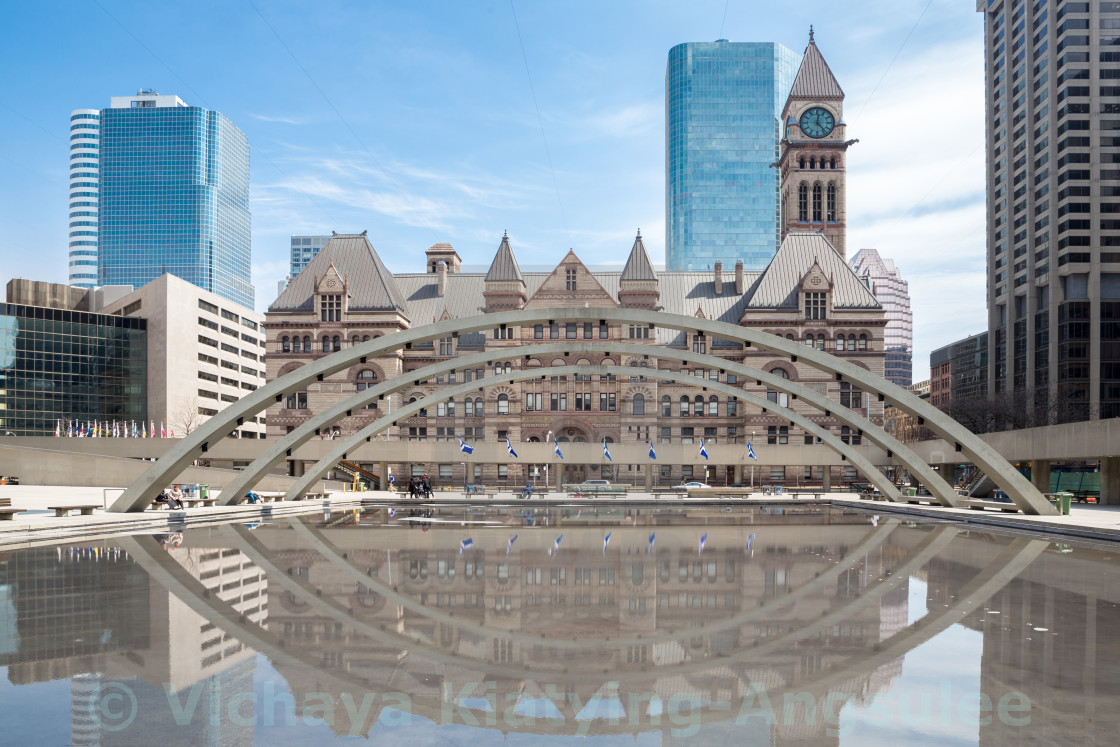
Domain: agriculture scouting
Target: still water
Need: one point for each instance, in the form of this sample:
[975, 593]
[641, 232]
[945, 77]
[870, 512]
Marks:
[511, 625]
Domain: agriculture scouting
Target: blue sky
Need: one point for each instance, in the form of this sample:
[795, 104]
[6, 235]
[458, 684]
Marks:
[417, 122]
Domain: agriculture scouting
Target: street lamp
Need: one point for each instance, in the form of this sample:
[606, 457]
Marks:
[464, 478]
[752, 463]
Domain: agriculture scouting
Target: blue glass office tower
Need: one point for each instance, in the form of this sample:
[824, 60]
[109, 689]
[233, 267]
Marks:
[173, 196]
[723, 102]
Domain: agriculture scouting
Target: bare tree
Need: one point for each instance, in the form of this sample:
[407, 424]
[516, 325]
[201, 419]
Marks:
[187, 417]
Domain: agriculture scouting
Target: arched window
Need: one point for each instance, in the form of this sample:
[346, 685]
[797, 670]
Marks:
[306, 344]
[820, 342]
[365, 379]
[809, 339]
[469, 407]
[832, 162]
[801, 162]
[326, 344]
[336, 343]
[803, 202]
[286, 344]
[713, 406]
[503, 404]
[639, 404]
[534, 439]
[789, 336]
[778, 398]
[839, 343]
[831, 215]
[816, 203]
[666, 406]
[451, 408]
[354, 340]
[851, 342]
[478, 412]
[365, 338]
[812, 163]
[698, 406]
[777, 371]
[863, 342]
[684, 406]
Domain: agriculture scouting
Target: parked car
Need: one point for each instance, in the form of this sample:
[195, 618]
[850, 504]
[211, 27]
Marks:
[693, 484]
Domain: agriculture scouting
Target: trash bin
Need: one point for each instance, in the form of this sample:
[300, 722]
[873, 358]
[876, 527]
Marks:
[911, 492]
[203, 491]
[1063, 503]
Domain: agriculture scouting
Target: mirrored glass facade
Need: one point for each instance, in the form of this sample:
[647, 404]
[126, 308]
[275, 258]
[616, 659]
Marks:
[60, 365]
[174, 198]
[723, 102]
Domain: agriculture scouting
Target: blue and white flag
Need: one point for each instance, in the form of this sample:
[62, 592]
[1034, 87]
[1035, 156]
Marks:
[703, 541]
[509, 545]
[509, 448]
[750, 539]
[392, 480]
[392, 512]
[703, 451]
[556, 544]
[465, 447]
[606, 451]
[556, 447]
[466, 544]
[606, 541]
[750, 451]
[652, 453]
[651, 536]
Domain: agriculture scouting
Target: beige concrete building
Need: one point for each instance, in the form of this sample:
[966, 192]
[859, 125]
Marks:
[204, 352]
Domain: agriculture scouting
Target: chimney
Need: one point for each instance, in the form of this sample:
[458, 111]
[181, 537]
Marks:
[719, 278]
[441, 278]
[739, 277]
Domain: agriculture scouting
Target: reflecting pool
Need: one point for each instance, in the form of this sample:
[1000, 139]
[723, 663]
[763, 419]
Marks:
[762, 625]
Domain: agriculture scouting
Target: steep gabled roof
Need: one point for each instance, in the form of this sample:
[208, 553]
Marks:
[778, 285]
[814, 78]
[504, 267]
[638, 266]
[372, 287]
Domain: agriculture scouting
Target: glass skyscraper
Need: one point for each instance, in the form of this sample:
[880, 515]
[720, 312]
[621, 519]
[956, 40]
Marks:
[723, 102]
[84, 130]
[173, 196]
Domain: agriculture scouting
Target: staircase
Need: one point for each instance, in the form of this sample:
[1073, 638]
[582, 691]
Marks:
[365, 476]
[978, 484]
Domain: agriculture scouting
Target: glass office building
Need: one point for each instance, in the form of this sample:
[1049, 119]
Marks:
[84, 133]
[58, 365]
[723, 102]
[173, 197]
[304, 249]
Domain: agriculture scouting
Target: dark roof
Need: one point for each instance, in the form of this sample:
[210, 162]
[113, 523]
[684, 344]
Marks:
[638, 266]
[504, 267]
[814, 78]
[371, 285]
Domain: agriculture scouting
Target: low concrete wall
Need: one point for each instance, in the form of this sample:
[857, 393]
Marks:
[53, 467]
[1090, 441]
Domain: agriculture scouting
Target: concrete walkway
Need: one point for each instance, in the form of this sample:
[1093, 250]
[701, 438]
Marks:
[39, 525]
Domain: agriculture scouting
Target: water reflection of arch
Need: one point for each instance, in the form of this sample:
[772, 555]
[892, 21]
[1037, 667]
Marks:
[1011, 562]
[166, 469]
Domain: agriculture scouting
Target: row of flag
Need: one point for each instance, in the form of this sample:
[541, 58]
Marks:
[114, 429]
[468, 543]
[466, 448]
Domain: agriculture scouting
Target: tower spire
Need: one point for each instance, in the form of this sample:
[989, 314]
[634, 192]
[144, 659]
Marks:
[811, 34]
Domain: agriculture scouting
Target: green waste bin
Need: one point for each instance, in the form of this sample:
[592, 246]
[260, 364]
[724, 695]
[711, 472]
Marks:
[1063, 503]
[911, 492]
[203, 491]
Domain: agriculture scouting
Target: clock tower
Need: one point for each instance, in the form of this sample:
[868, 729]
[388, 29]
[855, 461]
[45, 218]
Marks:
[813, 152]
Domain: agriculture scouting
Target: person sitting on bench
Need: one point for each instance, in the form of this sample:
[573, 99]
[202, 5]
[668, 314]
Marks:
[253, 497]
[170, 499]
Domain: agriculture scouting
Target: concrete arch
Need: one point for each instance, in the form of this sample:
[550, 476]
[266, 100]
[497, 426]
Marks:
[850, 453]
[162, 472]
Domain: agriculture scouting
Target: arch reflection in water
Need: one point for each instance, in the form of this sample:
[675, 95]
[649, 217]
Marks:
[374, 626]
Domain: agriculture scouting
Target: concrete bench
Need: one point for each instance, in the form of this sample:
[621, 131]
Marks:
[205, 502]
[7, 513]
[980, 505]
[65, 510]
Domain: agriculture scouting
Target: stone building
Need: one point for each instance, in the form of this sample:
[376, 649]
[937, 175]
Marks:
[347, 296]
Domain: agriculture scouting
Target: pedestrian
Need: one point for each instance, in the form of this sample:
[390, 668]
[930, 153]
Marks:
[426, 485]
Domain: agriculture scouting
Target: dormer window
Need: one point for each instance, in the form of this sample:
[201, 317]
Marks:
[330, 307]
[816, 305]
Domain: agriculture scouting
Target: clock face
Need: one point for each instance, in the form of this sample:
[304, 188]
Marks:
[817, 122]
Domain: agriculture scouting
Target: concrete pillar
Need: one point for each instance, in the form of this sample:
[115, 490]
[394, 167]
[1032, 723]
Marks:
[649, 477]
[1040, 474]
[383, 474]
[1110, 481]
[946, 472]
[559, 468]
[826, 479]
[738, 478]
